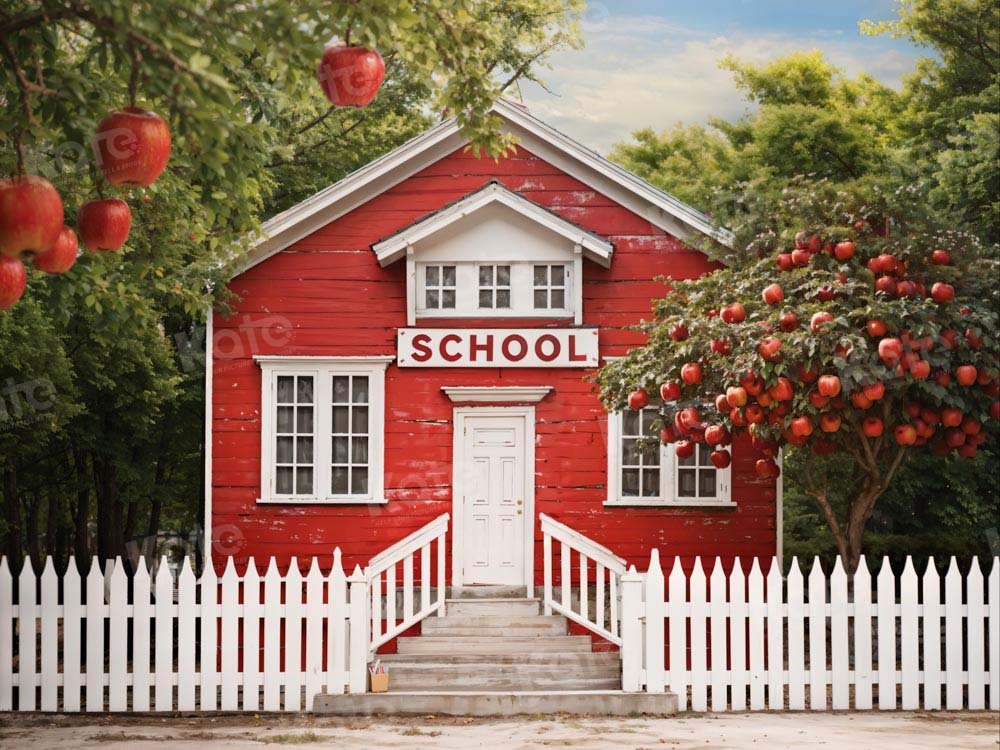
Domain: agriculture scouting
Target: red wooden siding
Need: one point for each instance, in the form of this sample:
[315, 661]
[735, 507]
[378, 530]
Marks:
[327, 295]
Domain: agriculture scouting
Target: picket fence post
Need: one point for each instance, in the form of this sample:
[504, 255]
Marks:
[655, 675]
[359, 634]
[631, 630]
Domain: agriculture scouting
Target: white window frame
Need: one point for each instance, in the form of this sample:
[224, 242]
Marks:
[440, 287]
[668, 497]
[548, 287]
[323, 369]
[495, 287]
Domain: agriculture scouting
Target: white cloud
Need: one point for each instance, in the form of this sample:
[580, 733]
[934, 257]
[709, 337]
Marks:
[640, 72]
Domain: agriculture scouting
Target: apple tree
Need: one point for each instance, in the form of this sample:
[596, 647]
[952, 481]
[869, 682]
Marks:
[852, 331]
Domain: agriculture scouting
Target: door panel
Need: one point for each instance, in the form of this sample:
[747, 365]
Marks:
[493, 486]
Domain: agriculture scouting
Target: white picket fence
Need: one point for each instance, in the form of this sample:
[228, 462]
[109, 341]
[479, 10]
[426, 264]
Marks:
[246, 642]
[787, 643]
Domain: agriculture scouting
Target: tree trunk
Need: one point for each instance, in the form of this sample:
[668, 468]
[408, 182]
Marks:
[110, 529]
[12, 508]
[81, 516]
[31, 528]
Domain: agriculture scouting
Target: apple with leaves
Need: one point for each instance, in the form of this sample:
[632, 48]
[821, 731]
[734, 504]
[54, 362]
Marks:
[31, 216]
[350, 76]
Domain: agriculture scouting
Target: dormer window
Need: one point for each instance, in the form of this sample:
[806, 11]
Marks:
[494, 254]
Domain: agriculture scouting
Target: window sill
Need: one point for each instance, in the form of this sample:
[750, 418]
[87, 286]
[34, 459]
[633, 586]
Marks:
[653, 503]
[320, 501]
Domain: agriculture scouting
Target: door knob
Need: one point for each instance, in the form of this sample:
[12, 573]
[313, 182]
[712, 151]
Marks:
[519, 511]
[520, 502]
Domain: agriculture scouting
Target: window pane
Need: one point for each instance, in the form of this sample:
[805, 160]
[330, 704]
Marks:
[305, 393]
[338, 483]
[303, 481]
[630, 452]
[630, 482]
[359, 481]
[649, 416]
[503, 298]
[503, 275]
[340, 418]
[286, 389]
[304, 420]
[541, 299]
[650, 454]
[630, 422]
[558, 275]
[558, 299]
[284, 452]
[432, 298]
[360, 390]
[433, 275]
[359, 450]
[448, 276]
[360, 420]
[485, 298]
[540, 275]
[486, 276]
[650, 482]
[304, 450]
[340, 386]
[685, 482]
[340, 450]
[283, 480]
[285, 415]
[448, 300]
[706, 483]
[704, 455]
[690, 461]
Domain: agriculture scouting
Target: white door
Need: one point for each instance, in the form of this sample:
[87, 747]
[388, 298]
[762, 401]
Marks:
[493, 495]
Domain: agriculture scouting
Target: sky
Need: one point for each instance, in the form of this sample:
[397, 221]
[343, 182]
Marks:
[654, 63]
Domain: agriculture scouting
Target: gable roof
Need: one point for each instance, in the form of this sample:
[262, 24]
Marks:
[393, 247]
[658, 207]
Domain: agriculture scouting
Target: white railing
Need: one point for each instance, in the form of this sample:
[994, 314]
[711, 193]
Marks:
[384, 567]
[186, 644]
[903, 645]
[607, 567]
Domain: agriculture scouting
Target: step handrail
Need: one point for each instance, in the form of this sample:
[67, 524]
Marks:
[592, 557]
[384, 565]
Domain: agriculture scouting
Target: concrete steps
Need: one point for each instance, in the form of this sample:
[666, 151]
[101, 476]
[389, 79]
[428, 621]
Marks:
[495, 654]
[498, 703]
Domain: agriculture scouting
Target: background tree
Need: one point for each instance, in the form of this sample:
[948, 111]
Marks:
[119, 455]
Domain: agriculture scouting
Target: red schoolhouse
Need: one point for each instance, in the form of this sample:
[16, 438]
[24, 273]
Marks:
[417, 338]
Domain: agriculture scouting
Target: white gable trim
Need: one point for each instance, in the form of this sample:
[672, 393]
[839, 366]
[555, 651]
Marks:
[495, 394]
[656, 206]
[394, 247]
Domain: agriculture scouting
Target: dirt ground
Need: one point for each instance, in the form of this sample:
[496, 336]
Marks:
[856, 731]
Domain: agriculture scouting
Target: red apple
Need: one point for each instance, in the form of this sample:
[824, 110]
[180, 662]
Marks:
[887, 262]
[886, 284]
[942, 292]
[61, 256]
[920, 369]
[807, 376]
[684, 449]
[773, 294]
[691, 373]
[872, 426]
[716, 434]
[104, 224]
[737, 418]
[874, 391]
[679, 332]
[825, 294]
[785, 261]
[734, 313]
[972, 339]
[638, 400]
[819, 319]
[721, 346]
[843, 250]
[949, 338]
[971, 426]
[768, 349]
[995, 410]
[350, 76]
[907, 288]
[13, 277]
[721, 404]
[736, 396]
[829, 385]
[940, 257]
[906, 434]
[132, 147]
[767, 468]
[890, 350]
[669, 435]
[951, 417]
[670, 391]
[752, 383]
[954, 438]
[31, 216]
[966, 375]
[876, 328]
[860, 400]
[720, 459]
[818, 399]
[802, 426]
[800, 257]
[788, 322]
[966, 451]
[782, 390]
[829, 422]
